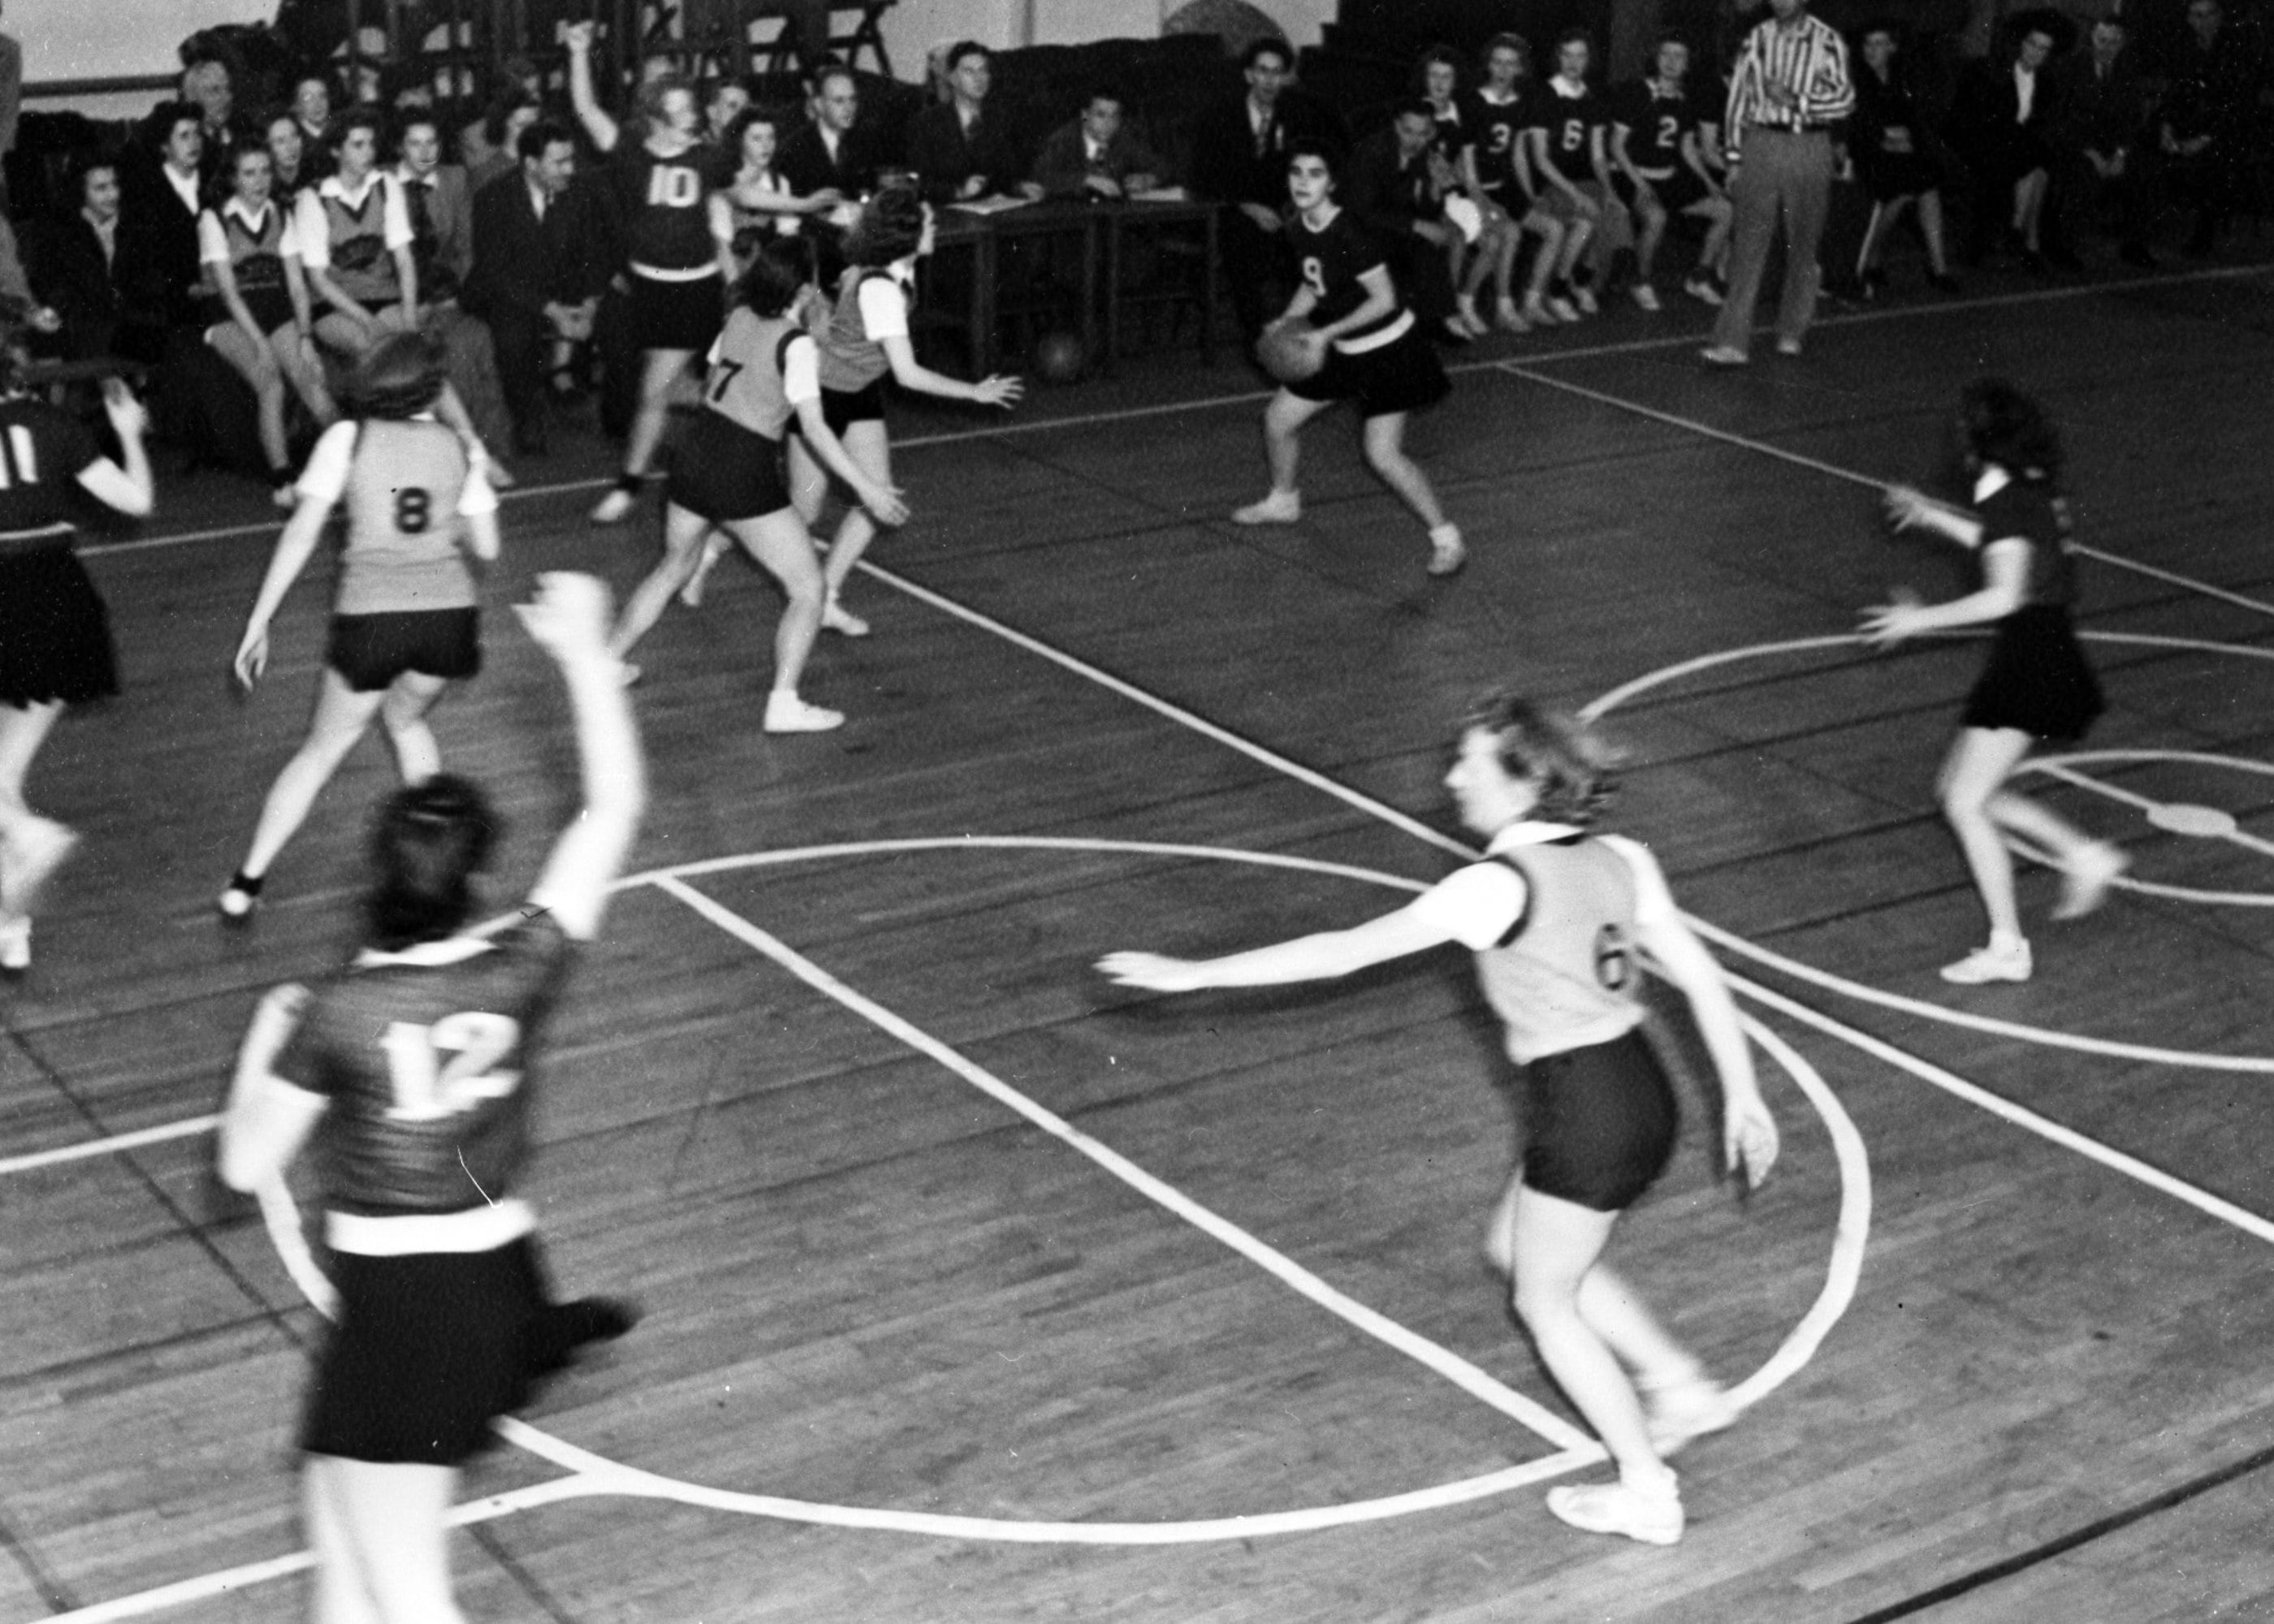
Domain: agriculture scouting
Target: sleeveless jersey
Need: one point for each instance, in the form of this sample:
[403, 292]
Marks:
[850, 360]
[663, 203]
[2034, 511]
[355, 238]
[425, 1056]
[748, 366]
[403, 550]
[256, 253]
[1564, 975]
[43, 453]
[751, 227]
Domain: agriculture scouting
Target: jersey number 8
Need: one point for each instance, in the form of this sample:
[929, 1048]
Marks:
[450, 1067]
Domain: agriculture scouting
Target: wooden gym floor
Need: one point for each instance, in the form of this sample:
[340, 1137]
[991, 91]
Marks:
[979, 1290]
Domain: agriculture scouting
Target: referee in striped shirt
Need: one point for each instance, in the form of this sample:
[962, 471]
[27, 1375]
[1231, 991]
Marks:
[1791, 84]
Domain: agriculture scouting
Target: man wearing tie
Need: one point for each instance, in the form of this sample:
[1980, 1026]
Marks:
[440, 206]
[1791, 83]
[540, 262]
[1095, 156]
[1240, 158]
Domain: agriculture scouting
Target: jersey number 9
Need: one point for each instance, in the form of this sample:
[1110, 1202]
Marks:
[450, 1067]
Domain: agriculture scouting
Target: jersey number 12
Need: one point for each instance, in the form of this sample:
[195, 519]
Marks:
[451, 1066]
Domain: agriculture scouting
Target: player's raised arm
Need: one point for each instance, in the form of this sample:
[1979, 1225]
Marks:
[570, 619]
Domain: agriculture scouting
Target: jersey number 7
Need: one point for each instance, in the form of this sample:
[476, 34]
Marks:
[451, 1066]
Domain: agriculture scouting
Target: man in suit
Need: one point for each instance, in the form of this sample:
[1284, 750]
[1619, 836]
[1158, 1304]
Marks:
[440, 206]
[1096, 155]
[1240, 158]
[1392, 188]
[831, 151]
[957, 149]
[2099, 147]
[541, 258]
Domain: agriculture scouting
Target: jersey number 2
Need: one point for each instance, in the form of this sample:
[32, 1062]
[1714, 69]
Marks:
[451, 1066]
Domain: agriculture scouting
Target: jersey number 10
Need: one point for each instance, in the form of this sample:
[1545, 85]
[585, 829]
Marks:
[450, 1067]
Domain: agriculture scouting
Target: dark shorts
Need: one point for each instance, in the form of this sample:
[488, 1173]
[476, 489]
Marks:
[1598, 1123]
[1676, 191]
[54, 633]
[723, 471]
[675, 315]
[371, 651]
[428, 1351]
[2037, 678]
[1404, 375]
[841, 411]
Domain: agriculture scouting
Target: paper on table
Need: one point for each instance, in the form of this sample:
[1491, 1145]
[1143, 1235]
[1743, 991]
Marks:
[1162, 194]
[989, 205]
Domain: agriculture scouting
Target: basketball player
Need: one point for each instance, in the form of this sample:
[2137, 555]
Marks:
[728, 476]
[413, 1069]
[55, 634]
[404, 624]
[1370, 351]
[1554, 916]
[662, 186]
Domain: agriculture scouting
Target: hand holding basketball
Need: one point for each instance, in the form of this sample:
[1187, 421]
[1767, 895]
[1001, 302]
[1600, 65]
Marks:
[1290, 351]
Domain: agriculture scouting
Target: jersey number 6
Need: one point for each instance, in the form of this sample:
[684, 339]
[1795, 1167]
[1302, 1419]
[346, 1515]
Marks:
[448, 1067]
[1614, 959]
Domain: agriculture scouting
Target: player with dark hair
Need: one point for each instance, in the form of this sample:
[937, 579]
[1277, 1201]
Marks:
[1502, 112]
[1555, 915]
[55, 634]
[662, 185]
[1658, 171]
[404, 624]
[1571, 167]
[728, 476]
[412, 1072]
[1370, 351]
[2036, 684]
[866, 337]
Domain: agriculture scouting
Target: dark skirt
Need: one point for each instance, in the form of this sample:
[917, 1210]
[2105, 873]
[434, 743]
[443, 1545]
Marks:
[2037, 678]
[1403, 375]
[54, 633]
[677, 315]
[724, 472]
[428, 1350]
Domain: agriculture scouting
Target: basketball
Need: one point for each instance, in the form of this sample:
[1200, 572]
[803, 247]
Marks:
[1059, 358]
[1285, 351]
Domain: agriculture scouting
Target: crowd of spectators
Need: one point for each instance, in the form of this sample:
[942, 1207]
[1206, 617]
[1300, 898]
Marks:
[258, 248]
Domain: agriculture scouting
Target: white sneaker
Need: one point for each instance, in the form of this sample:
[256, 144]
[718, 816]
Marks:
[2085, 886]
[1508, 319]
[835, 617]
[1446, 553]
[1279, 507]
[1702, 290]
[1536, 311]
[615, 507]
[1990, 964]
[1464, 311]
[1616, 1509]
[16, 945]
[1584, 298]
[1647, 296]
[1563, 308]
[1683, 1411]
[787, 713]
[27, 861]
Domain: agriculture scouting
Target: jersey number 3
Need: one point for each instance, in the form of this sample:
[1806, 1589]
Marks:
[451, 1066]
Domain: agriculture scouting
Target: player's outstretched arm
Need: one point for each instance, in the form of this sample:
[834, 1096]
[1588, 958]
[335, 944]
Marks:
[1321, 956]
[568, 618]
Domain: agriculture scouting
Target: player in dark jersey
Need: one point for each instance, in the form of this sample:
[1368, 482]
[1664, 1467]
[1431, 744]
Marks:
[1472, 246]
[404, 624]
[1555, 915]
[410, 1073]
[257, 310]
[1659, 172]
[1571, 165]
[55, 634]
[1503, 159]
[726, 474]
[662, 186]
[2036, 683]
[1371, 351]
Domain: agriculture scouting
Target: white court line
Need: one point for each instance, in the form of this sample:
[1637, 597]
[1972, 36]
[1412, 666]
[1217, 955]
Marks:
[1801, 459]
[1445, 1363]
[1399, 819]
[188, 1127]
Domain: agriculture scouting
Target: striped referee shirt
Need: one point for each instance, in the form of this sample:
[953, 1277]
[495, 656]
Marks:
[1808, 57]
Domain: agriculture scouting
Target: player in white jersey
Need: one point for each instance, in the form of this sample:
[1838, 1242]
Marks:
[1555, 915]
